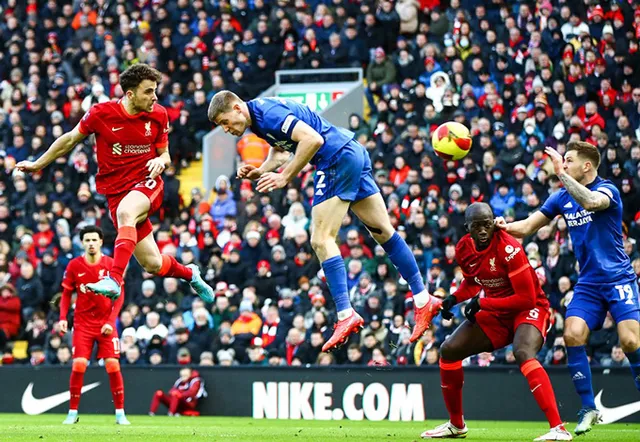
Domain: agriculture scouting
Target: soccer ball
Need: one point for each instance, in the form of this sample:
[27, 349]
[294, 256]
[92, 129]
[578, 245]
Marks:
[451, 141]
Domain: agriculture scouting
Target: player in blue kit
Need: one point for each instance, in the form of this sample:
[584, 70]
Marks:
[343, 180]
[593, 210]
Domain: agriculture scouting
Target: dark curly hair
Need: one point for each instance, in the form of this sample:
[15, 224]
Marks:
[91, 229]
[136, 74]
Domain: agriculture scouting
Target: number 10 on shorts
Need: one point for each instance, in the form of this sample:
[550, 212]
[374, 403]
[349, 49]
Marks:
[626, 293]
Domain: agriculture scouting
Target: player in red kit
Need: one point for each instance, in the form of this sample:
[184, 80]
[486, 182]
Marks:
[94, 321]
[514, 310]
[132, 150]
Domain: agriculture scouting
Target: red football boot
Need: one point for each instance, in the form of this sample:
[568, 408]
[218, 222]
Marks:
[342, 330]
[423, 317]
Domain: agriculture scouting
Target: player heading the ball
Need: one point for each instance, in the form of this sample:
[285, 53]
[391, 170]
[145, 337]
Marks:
[343, 181]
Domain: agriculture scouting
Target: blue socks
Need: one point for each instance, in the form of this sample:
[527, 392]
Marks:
[401, 257]
[336, 274]
[634, 363]
[581, 374]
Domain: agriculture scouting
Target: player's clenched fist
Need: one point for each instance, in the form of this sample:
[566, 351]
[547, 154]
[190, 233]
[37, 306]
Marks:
[64, 326]
[500, 223]
[106, 329]
[27, 166]
[249, 172]
[156, 167]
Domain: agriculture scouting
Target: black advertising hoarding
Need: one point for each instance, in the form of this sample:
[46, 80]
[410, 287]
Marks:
[357, 393]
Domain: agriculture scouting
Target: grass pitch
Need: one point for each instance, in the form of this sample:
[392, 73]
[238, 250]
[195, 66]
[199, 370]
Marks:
[101, 428]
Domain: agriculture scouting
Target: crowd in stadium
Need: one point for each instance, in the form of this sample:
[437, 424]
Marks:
[521, 74]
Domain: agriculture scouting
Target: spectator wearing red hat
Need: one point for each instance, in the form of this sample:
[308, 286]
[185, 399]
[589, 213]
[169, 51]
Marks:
[263, 282]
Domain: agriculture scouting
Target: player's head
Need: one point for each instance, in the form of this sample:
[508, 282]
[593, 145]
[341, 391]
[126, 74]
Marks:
[139, 84]
[227, 110]
[478, 219]
[581, 160]
[91, 237]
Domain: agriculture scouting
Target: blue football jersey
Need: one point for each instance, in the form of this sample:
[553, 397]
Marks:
[273, 120]
[596, 236]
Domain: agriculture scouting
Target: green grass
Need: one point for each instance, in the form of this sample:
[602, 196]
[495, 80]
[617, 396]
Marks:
[100, 428]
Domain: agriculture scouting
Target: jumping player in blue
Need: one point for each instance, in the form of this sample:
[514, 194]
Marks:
[343, 181]
[593, 211]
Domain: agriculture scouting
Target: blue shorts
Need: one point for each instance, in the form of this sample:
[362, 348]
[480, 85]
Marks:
[347, 176]
[592, 301]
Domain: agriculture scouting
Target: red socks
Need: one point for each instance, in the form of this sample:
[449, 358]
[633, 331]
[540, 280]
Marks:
[173, 269]
[116, 383]
[542, 390]
[126, 242]
[452, 379]
[75, 384]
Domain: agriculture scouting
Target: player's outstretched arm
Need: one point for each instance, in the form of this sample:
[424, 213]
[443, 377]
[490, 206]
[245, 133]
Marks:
[525, 227]
[59, 148]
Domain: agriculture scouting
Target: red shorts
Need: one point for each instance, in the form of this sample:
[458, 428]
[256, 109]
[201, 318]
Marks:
[83, 339]
[152, 189]
[500, 328]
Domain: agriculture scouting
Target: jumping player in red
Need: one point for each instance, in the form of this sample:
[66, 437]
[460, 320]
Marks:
[183, 396]
[132, 151]
[94, 321]
[513, 310]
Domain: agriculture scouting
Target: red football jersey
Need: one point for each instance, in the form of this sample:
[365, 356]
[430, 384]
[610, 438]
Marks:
[91, 310]
[124, 143]
[493, 267]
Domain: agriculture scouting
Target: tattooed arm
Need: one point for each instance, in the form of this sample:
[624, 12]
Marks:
[589, 199]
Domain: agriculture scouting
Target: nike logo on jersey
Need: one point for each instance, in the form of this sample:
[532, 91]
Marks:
[473, 265]
[568, 205]
[32, 406]
[80, 275]
[116, 129]
[610, 415]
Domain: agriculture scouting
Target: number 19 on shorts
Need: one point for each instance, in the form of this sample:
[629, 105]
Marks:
[626, 293]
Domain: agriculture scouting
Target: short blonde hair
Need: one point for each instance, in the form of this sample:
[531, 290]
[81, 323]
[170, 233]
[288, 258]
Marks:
[220, 103]
[587, 151]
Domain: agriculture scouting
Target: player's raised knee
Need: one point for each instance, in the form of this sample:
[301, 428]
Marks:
[152, 264]
[448, 351]
[319, 241]
[159, 393]
[125, 216]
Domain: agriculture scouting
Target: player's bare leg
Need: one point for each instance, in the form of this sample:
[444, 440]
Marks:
[132, 210]
[467, 340]
[150, 258]
[629, 334]
[112, 365]
[76, 380]
[526, 344]
[576, 335]
[326, 218]
[373, 213]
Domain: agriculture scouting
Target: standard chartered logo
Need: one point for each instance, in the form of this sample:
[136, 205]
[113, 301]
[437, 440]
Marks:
[314, 400]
